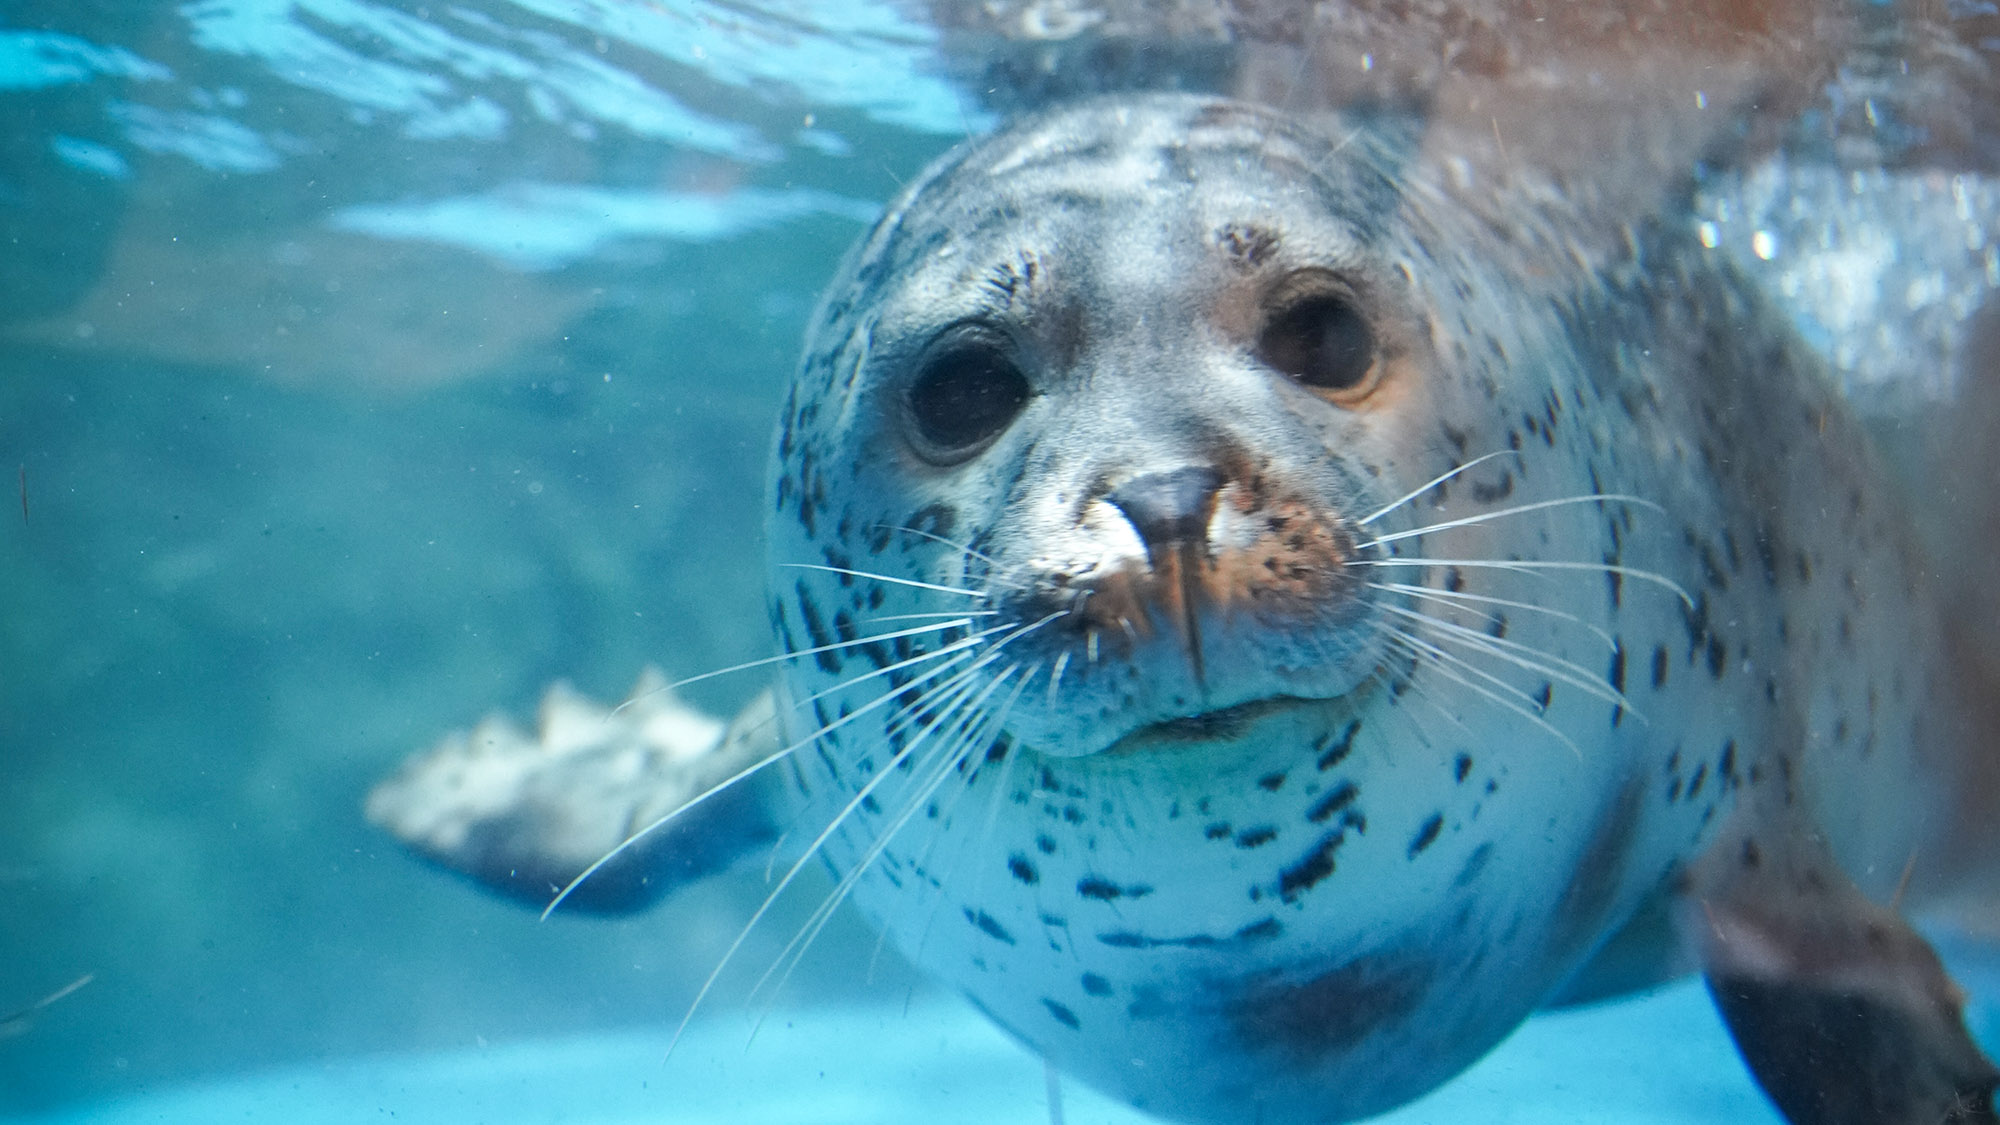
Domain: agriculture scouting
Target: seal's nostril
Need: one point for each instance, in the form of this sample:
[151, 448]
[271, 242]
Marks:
[1169, 508]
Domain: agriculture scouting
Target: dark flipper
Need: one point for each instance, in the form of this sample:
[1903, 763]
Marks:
[1842, 1010]
[525, 815]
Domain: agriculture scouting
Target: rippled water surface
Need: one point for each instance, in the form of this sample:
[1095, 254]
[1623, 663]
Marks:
[367, 365]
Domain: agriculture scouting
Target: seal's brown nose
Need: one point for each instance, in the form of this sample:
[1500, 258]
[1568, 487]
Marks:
[1169, 509]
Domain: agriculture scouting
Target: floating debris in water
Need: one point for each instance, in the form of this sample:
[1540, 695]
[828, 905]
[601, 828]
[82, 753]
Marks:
[20, 1021]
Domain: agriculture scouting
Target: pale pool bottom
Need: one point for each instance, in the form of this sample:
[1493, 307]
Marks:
[1658, 1059]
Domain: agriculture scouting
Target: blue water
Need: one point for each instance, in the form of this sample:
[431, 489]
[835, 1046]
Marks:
[363, 368]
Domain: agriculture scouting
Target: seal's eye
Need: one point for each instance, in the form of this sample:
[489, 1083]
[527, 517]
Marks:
[1322, 340]
[964, 394]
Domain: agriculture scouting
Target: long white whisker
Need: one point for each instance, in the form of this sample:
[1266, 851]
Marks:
[839, 818]
[1432, 483]
[957, 621]
[1519, 509]
[961, 547]
[973, 727]
[1440, 655]
[770, 899]
[964, 742]
[933, 616]
[1522, 656]
[1441, 662]
[971, 640]
[672, 814]
[1454, 596]
[980, 594]
[1527, 567]
[975, 840]
[1056, 675]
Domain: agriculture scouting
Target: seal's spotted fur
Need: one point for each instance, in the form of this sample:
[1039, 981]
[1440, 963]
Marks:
[1408, 780]
[1265, 609]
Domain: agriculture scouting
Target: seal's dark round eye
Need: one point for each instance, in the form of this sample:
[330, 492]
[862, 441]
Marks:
[963, 396]
[1321, 340]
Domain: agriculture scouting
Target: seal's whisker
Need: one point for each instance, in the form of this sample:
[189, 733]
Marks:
[1423, 694]
[1451, 596]
[1011, 755]
[962, 548]
[917, 708]
[1502, 513]
[974, 841]
[943, 814]
[1523, 656]
[970, 738]
[1439, 655]
[1441, 661]
[974, 728]
[1432, 483]
[933, 615]
[873, 577]
[861, 796]
[1527, 566]
[969, 641]
[965, 708]
[1056, 676]
[745, 773]
[956, 621]
[812, 850]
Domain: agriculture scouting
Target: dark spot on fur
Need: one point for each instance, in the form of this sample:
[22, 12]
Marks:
[1256, 837]
[1659, 666]
[1311, 868]
[1332, 755]
[934, 519]
[1427, 835]
[1104, 890]
[1336, 799]
[1021, 869]
[1617, 678]
[1063, 1015]
[828, 661]
[1493, 493]
[1474, 864]
[1461, 767]
[1247, 243]
[1271, 782]
[1323, 1015]
[1220, 830]
[1095, 985]
[988, 926]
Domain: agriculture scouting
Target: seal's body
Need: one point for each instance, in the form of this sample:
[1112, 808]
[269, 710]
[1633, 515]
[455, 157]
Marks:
[1269, 611]
[1243, 784]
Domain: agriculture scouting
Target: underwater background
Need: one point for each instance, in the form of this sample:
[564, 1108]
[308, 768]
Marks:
[366, 366]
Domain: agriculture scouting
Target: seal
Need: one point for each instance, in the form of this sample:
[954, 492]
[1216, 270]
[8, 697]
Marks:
[1261, 628]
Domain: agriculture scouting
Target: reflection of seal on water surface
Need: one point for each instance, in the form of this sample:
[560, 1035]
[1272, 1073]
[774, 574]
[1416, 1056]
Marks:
[1269, 629]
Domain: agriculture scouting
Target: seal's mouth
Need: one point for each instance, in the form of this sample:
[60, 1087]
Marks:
[1225, 724]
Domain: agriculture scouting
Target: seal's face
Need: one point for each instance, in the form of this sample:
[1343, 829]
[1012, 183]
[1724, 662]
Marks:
[1112, 501]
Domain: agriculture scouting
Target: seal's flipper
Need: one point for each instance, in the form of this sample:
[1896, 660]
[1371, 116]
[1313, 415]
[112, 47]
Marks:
[1842, 1010]
[526, 814]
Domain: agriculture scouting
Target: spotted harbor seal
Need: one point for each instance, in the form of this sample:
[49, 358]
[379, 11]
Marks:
[1260, 630]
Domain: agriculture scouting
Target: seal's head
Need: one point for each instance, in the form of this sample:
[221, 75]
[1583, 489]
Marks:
[1143, 383]
[1112, 498]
